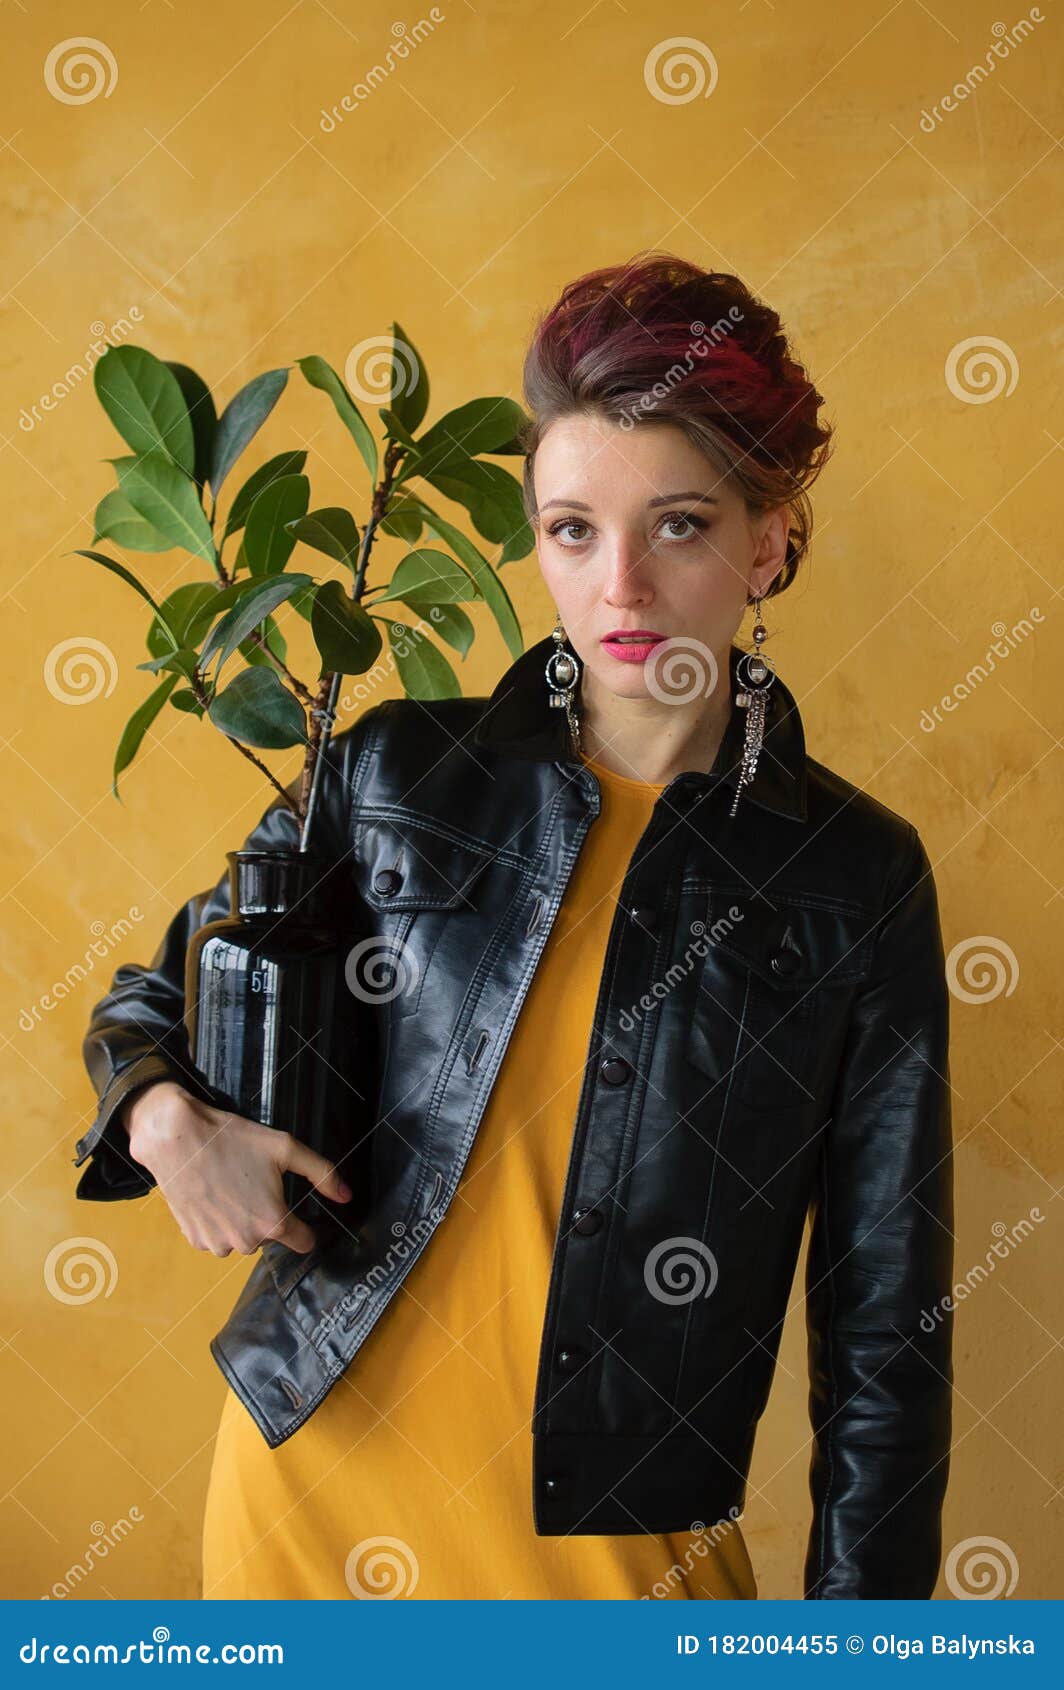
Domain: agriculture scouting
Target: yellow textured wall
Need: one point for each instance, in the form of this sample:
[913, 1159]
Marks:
[516, 147]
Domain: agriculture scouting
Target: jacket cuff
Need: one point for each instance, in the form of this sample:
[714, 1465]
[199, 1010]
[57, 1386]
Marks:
[113, 1172]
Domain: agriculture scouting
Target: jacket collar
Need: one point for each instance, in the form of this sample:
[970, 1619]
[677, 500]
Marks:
[519, 720]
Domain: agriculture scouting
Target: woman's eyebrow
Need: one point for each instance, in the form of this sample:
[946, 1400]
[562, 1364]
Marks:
[665, 499]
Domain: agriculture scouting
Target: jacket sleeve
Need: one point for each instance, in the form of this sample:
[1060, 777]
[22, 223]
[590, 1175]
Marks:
[879, 1270]
[136, 1033]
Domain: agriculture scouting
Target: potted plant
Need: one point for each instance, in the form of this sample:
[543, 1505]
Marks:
[265, 985]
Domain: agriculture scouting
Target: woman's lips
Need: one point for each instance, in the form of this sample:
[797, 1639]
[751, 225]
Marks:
[635, 650]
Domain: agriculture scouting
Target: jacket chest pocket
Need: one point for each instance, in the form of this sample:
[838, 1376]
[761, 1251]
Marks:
[777, 980]
[414, 884]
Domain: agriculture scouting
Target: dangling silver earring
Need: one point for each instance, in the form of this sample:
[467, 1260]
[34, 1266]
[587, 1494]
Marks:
[563, 678]
[756, 677]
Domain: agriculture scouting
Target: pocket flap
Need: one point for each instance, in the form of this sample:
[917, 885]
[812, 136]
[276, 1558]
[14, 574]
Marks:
[401, 866]
[793, 943]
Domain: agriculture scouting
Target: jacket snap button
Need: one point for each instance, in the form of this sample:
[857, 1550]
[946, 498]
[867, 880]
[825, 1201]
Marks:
[554, 1482]
[387, 881]
[568, 1359]
[647, 918]
[786, 963]
[586, 1221]
[616, 1071]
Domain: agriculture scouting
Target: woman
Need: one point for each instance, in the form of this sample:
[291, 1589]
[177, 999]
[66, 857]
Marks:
[608, 1125]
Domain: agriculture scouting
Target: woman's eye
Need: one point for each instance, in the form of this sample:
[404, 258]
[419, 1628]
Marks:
[690, 524]
[569, 522]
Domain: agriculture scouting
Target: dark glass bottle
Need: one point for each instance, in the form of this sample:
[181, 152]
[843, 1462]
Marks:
[270, 1019]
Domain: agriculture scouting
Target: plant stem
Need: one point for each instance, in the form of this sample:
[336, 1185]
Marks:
[303, 692]
[203, 698]
[321, 725]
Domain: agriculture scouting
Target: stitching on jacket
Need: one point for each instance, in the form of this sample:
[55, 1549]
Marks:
[473, 997]
[722, 1120]
[829, 1444]
[453, 836]
[804, 900]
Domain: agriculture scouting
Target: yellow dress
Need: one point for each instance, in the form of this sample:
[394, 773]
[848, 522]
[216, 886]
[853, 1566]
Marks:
[414, 1477]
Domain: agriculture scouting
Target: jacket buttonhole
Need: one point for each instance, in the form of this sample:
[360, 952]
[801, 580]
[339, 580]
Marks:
[295, 1397]
[473, 1060]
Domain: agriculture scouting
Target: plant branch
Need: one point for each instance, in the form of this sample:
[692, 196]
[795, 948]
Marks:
[322, 717]
[203, 698]
[298, 687]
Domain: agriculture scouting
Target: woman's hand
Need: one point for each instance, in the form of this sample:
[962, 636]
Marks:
[221, 1173]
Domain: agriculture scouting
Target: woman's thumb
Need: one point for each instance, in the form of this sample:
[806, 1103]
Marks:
[321, 1173]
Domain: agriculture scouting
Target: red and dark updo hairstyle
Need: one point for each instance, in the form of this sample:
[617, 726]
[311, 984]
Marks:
[657, 340]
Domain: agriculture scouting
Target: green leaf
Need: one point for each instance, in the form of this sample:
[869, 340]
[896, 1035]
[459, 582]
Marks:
[185, 699]
[448, 621]
[482, 425]
[275, 640]
[117, 520]
[165, 497]
[285, 463]
[180, 609]
[343, 633]
[143, 399]
[494, 593]
[431, 576]
[252, 608]
[409, 396]
[219, 599]
[303, 601]
[493, 499]
[179, 662]
[331, 530]
[403, 520]
[137, 726]
[395, 429]
[130, 580]
[423, 669]
[200, 406]
[256, 709]
[241, 420]
[320, 375]
[267, 544]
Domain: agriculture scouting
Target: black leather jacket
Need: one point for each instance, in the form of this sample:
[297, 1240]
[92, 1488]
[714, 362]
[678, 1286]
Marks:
[770, 1041]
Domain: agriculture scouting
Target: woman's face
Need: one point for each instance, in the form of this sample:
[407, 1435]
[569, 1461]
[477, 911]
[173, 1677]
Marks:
[636, 530]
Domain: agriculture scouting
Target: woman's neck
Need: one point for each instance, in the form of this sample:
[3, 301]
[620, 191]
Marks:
[649, 739]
